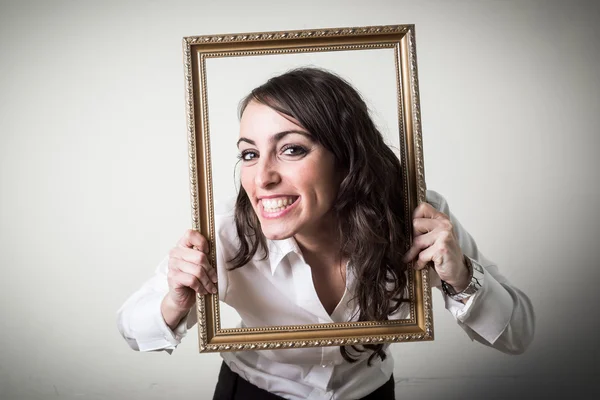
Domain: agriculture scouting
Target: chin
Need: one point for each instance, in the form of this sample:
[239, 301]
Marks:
[277, 235]
[276, 230]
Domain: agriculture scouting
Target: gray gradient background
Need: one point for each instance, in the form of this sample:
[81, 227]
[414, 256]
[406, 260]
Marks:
[94, 185]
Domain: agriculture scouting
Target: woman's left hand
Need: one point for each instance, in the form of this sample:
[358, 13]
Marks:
[434, 240]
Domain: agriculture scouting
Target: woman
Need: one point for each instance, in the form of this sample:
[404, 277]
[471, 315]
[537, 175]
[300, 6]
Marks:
[316, 236]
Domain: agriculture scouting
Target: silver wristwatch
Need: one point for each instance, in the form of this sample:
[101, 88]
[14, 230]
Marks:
[475, 284]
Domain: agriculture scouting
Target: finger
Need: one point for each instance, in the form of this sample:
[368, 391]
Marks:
[428, 255]
[194, 239]
[198, 270]
[180, 279]
[203, 291]
[426, 210]
[201, 285]
[189, 255]
[424, 225]
[194, 257]
[419, 243]
[208, 284]
[200, 273]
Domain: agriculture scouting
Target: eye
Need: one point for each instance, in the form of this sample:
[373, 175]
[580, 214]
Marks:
[247, 155]
[293, 150]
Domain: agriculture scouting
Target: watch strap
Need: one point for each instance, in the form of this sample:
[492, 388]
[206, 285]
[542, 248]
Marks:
[476, 282]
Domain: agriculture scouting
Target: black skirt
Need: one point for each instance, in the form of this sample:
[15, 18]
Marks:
[231, 386]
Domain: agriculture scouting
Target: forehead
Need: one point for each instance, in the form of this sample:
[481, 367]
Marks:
[259, 120]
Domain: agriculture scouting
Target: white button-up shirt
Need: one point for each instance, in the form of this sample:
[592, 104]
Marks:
[279, 291]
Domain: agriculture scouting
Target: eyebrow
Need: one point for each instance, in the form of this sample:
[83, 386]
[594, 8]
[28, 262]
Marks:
[277, 137]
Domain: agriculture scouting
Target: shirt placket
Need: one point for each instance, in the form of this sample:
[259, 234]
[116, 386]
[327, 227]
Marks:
[319, 375]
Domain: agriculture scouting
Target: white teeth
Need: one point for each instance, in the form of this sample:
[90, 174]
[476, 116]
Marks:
[276, 205]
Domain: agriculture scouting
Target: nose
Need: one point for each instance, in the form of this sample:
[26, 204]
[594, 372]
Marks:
[266, 174]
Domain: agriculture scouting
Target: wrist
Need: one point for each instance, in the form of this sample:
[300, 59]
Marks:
[171, 312]
[474, 283]
[465, 277]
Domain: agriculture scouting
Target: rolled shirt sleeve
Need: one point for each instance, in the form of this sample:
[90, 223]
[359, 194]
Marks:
[498, 315]
[140, 320]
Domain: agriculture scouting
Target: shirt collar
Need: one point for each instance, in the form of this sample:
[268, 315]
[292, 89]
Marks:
[279, 249]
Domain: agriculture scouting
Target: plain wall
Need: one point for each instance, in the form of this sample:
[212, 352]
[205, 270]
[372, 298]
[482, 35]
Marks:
[94, 182]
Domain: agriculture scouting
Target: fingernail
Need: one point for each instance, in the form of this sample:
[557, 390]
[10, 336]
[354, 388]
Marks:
[214, 291]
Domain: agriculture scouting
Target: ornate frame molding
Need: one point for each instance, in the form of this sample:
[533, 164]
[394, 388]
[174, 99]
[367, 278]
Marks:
[400, 38]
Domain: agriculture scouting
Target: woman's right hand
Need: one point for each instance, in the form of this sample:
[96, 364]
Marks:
[189, 273]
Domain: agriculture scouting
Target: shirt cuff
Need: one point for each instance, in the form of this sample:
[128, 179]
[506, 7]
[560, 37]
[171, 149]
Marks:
[488, 312]
[154, 333]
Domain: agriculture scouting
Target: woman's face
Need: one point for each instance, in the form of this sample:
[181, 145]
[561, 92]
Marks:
[289, 177]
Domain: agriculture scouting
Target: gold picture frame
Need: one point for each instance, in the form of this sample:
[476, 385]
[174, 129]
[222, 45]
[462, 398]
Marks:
[197, 50]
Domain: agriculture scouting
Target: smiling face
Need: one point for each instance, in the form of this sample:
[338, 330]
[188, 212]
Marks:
[289, 177]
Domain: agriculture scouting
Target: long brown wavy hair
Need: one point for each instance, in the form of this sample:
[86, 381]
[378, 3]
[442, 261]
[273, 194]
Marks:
[370, 203]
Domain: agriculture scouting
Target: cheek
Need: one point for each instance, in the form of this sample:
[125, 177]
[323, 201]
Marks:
[322, 179]
[246, 180]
